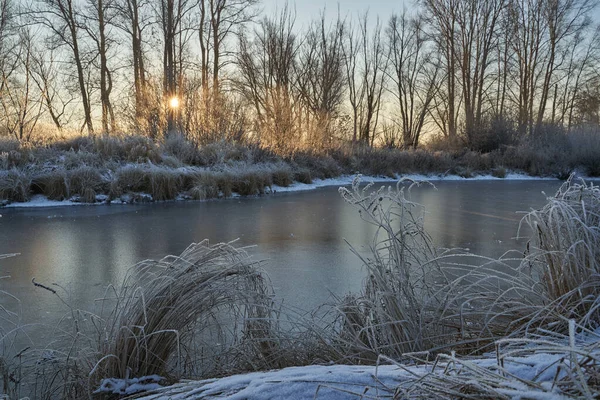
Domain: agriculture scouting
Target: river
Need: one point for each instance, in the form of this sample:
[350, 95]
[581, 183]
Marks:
[300, 235]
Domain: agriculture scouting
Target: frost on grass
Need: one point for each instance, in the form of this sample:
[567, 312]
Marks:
[165, 306]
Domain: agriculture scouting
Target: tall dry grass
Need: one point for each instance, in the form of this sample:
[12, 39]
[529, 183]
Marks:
[564, 250]
[417, 299]
[165, 307]
[400, 306]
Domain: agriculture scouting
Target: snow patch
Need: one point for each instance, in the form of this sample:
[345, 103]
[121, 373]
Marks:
[129, 386]
[333, 382]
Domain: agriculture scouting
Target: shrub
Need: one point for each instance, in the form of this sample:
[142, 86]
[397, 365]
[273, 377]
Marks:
[12, 159]
[182, 149]
[225, 183]
[8, 144]
[132, 178]
[282, 175]
[585, 145]
[302, 175]
[499, 172]
[251, 182]
[320, 166]
[493, 135]
[131, 148]
[76, 143]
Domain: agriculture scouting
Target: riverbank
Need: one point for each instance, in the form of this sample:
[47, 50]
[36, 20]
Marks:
[133, 169]
[40, 200]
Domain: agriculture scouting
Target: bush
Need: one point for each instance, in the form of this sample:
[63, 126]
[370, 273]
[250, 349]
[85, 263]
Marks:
[320, 166]
[132, 178]
[499, 172]
[493, 135]
[251, 182]
[206, 185]
[585, 145]
[132, 148]
[282, 175]
[302, 175]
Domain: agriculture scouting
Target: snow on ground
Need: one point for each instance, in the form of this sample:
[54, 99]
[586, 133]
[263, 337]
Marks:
[42, 201]
[532, 376]
[347, 180]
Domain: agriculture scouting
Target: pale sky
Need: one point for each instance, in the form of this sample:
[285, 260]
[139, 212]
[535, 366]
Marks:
[306, 10]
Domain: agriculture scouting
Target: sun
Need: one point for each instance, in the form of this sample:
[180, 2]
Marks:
[174, 102]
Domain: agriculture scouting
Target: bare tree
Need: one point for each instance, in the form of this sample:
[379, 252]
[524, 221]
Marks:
[365, 63]
[321, 79]
[441, 15]
[219, 20]
[565, 19]
[266, 79]
[98, 21]
[414, 74]
[469, 32]
[133, 18]
[20, 102]
[46, 75]
[174, 17]
[62, 19]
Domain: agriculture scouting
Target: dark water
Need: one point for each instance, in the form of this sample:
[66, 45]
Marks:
[300, 235]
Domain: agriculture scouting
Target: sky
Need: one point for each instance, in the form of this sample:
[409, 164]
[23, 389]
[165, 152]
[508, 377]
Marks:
[306, 10]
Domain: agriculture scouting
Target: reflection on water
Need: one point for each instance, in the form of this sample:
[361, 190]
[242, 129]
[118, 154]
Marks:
[300, 235]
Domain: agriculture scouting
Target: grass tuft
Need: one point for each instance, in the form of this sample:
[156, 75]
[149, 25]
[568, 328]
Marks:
[164, 307]
[52, 184]
[14, 185]
[85, 182]
[565, 251]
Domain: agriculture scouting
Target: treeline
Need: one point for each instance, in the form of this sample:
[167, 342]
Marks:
[479, 72]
